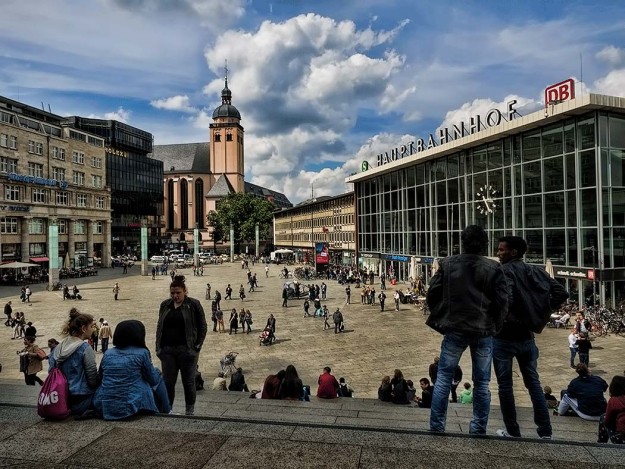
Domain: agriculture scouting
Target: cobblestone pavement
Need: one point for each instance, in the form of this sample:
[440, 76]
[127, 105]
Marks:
[373, 344]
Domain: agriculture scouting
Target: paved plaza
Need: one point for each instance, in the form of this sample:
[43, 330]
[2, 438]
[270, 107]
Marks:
[373, 344]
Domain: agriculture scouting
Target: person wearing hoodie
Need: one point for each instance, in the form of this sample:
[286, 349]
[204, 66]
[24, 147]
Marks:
[76, 359]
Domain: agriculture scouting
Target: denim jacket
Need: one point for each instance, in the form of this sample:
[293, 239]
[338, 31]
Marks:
[194, 323]
[79, 366]
[469, 295]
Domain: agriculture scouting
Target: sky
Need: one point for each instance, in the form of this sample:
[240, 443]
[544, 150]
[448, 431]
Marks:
[321, 85]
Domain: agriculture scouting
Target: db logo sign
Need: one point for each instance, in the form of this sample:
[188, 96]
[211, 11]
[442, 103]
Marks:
[559, 92]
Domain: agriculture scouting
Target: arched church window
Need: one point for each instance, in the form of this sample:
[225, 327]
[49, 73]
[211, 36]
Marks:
[228, 137]
[218, 137]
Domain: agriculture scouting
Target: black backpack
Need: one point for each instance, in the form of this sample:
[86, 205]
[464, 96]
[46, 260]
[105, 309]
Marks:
[344, 390]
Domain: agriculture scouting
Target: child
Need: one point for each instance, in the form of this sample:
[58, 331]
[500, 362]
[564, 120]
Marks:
[552, 402]
[306, 308]
[612, 424]
[466, 396]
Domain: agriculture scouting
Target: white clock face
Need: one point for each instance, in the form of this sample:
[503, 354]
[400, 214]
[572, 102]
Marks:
[485, 200]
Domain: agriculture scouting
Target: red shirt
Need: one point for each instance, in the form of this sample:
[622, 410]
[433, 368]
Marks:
[328, 386]
[615, 414]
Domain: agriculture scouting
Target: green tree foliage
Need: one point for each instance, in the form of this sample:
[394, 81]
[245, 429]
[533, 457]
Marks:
[243, 211]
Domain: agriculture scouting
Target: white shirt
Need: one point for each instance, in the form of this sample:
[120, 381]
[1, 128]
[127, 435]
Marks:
[572, 340]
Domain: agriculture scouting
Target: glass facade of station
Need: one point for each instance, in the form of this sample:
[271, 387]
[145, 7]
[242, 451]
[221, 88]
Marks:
[560, 186]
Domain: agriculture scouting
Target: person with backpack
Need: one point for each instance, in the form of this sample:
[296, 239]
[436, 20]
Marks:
[130, 382]
[32, 356]
[345, 390]
[534, 295]
[76, 360]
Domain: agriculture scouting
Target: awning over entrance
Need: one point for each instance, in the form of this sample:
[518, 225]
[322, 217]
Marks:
[39, 259]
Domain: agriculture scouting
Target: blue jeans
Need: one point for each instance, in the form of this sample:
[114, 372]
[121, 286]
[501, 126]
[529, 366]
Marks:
[526, 354]
[452, 348]
[573, 353]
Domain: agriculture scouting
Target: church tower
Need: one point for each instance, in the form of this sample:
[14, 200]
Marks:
[226, 141]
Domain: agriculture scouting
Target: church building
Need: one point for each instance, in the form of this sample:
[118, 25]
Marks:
[198, 175]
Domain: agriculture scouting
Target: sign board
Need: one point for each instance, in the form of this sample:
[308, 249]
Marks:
[574, 272]
[322, 253]
[559, 92]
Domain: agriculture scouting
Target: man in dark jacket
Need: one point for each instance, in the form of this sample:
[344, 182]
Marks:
[533, 296]
[584, 395]
[468, 299]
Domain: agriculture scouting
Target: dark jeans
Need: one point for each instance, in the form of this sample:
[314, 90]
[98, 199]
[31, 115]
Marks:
[454, 394]
[105, 345]
[573, 353]
[32, 379]
[526, 354]
[179, 359]
[584, 358]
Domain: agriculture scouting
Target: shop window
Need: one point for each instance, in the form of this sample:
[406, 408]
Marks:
[37, 249]
[36, 226]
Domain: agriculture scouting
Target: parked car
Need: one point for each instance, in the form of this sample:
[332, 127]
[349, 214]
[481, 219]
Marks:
[158, 259]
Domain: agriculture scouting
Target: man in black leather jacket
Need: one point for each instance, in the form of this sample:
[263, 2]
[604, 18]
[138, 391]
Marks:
[468, 299]
[533, 296]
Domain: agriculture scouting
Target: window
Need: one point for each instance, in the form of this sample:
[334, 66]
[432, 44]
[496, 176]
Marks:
[39, 196]
[99, 202]
[98, 227]
[7, 165]
[8, 225]
[36, 226]
[58, 174]
[58, 153]
[79, 227]
[12, 142]
[37, 249]
[81, 200]
[62, 226]
[217, 137]
[11, 192]
[78, 157]
[4, 140]
[96, 162]
[31, 146]
[228, 137]
[79, 178]
[62, 198]
[35, 169]
[96, 181]
[39, 148]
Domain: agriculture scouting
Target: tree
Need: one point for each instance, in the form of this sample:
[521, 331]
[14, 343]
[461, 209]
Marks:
[243, 211]
[213, 221]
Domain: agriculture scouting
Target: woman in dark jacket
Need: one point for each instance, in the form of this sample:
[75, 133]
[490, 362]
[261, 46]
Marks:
[385, 390]
[291, 387]
[400, 388]
[234, 320]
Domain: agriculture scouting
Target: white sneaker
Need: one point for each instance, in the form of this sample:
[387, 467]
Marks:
[504, 434]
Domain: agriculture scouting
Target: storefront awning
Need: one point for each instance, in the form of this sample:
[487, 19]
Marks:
[39, 259]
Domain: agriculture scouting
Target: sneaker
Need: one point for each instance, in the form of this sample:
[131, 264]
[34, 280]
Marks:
[505, 434]
[545, 437]
[190, 410]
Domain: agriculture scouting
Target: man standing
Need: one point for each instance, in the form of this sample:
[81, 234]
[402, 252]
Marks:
[266, 270]
[396, 298]
[285, 297]
[468, 299]
[348, 294]
[533, 296]
[116, 290]
[382, 298]
[573, 346]
[337, 317]
[8, 311]
[105, 336]
[324, 290]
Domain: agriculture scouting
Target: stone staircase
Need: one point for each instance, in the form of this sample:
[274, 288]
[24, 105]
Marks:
[230, 428]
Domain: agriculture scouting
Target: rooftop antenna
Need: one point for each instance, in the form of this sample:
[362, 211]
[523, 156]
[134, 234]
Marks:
[226, 70]
[49, 108]
[42, 107]
[581, 70]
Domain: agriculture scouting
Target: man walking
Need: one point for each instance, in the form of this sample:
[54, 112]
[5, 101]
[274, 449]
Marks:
[533, 296]
[105, 336]
[468, 299]
[382, 298]
[573, 346]
[8, 311]
[348, 294]
[285, 297]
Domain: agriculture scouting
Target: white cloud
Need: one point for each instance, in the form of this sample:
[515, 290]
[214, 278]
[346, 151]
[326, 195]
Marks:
[612, 55]
[174, 103]
[122, 115]
[613, 84]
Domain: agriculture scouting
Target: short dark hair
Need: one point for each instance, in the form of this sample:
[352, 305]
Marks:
[178, 282]
[581, 369]
[327, 369]
[129, 333]
[617, 386]
[424, 381]
[474, 239]
[515, 242]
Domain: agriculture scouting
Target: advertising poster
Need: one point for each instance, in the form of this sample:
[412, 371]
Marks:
[322, 253]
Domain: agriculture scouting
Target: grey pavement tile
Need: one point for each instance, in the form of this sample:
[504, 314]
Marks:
[608, 454]
[302, 411]
[22, 464]
[279, 416]
[16, 419]
[379, 458]
[379, 423]
[382, 415]
[53, 441]
[124, 448]
[575, 465]
[254, 430]
[238, 452]
[173, 424]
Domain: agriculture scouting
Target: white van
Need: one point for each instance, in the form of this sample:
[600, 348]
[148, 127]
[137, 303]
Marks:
[157, 259]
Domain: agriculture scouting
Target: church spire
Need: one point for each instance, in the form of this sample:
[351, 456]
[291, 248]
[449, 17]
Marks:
[226, 94]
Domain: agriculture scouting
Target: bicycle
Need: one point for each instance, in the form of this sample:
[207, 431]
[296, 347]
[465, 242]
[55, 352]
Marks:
[289, 275]
[55, 286]
[228, 363]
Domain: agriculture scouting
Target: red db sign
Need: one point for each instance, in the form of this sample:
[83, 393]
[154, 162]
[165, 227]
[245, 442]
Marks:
[560, 92]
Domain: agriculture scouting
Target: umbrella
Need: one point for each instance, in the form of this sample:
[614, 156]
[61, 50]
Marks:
[549, 268]
[17, 265]
[283, 251]
[66, 263]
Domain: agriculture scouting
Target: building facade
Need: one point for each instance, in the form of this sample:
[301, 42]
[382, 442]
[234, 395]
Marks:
[328, 220]
[51, 173]
[136, 182]
[198, 175]
[555, 177]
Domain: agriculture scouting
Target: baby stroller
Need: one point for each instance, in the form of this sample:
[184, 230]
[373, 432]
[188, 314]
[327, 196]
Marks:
[267, 337]
[228, 363]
